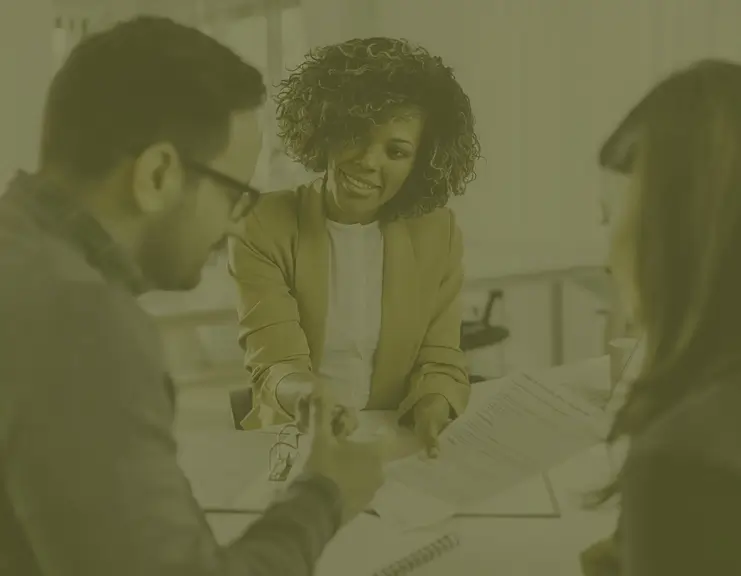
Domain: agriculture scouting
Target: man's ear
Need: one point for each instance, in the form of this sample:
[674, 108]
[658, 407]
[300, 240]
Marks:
[158, 178]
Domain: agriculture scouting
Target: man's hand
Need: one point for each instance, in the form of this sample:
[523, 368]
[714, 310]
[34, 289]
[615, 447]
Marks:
[356, 468]
[344, 421]
[431, 416]
[294, 394]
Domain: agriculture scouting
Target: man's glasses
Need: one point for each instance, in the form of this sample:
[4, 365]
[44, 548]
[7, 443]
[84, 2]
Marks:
[244, 196]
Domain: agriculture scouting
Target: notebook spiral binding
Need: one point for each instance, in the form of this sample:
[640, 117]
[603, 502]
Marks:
[421, 557]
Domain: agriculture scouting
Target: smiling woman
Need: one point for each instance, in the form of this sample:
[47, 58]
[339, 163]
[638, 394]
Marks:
[355, 278]
[363, 177]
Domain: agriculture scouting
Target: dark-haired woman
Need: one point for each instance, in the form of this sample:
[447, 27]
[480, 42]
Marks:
[676, 258]
[355, 278]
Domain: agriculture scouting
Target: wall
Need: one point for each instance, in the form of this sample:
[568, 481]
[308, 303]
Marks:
[548, 80]
[332, 21]
[25, 68]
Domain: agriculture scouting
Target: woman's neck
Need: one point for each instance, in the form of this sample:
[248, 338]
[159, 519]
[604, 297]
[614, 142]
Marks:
[336, 214]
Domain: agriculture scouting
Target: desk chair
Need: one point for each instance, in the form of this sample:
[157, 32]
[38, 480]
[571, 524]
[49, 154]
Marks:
[241, 402]
[480, 333]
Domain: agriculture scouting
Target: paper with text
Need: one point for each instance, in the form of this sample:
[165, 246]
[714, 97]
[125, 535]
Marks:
[514, 428]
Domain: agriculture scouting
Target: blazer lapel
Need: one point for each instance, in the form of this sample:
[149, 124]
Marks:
[399, 315]
[312, 269]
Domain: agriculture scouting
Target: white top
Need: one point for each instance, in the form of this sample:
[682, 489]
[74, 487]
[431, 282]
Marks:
[353, 323]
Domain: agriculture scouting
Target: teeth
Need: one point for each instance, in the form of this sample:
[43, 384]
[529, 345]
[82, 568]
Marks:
[358, 183]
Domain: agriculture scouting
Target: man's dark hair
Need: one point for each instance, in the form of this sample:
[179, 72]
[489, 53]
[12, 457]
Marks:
[144, 81]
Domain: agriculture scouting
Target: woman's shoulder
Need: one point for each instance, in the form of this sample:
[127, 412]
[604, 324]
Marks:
[283, 202]
[705, 425]
[439, 223]
[279, 209]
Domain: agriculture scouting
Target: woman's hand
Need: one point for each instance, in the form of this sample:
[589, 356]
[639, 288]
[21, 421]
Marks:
[344, 421]
[601, 559]
[431, 416]
[294, 393]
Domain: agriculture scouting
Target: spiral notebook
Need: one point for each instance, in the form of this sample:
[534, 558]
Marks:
[367, 547]
[421, 557]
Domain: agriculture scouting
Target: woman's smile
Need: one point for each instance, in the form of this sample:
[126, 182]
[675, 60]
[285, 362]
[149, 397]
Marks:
[357, 186]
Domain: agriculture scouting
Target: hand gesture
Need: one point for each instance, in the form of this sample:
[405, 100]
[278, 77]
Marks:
[431, 416]
[344, 421]
[356, 468]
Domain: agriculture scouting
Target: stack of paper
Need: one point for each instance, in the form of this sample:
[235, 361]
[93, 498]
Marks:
[514, 429]
[590, 381]
[409, 509]
[493, 458]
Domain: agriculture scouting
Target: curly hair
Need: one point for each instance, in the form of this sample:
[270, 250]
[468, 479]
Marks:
[341, 90]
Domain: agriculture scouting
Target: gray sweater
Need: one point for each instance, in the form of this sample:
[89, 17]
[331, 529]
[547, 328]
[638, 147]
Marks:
[90, 481]
[681, 495]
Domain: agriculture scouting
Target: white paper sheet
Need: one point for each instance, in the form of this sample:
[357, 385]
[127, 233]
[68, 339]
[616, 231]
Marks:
[514, 429]
[589, 380]
[406, 509]
[220, 464]
[367, 546]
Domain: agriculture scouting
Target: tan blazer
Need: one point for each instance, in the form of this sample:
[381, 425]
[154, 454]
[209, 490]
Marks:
[281, 268]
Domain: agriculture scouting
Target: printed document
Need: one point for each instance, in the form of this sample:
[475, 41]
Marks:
[514, 429]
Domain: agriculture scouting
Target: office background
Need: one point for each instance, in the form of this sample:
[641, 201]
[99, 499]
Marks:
[547, 80]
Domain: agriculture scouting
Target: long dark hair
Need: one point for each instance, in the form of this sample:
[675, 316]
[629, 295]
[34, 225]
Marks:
[678, 246]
